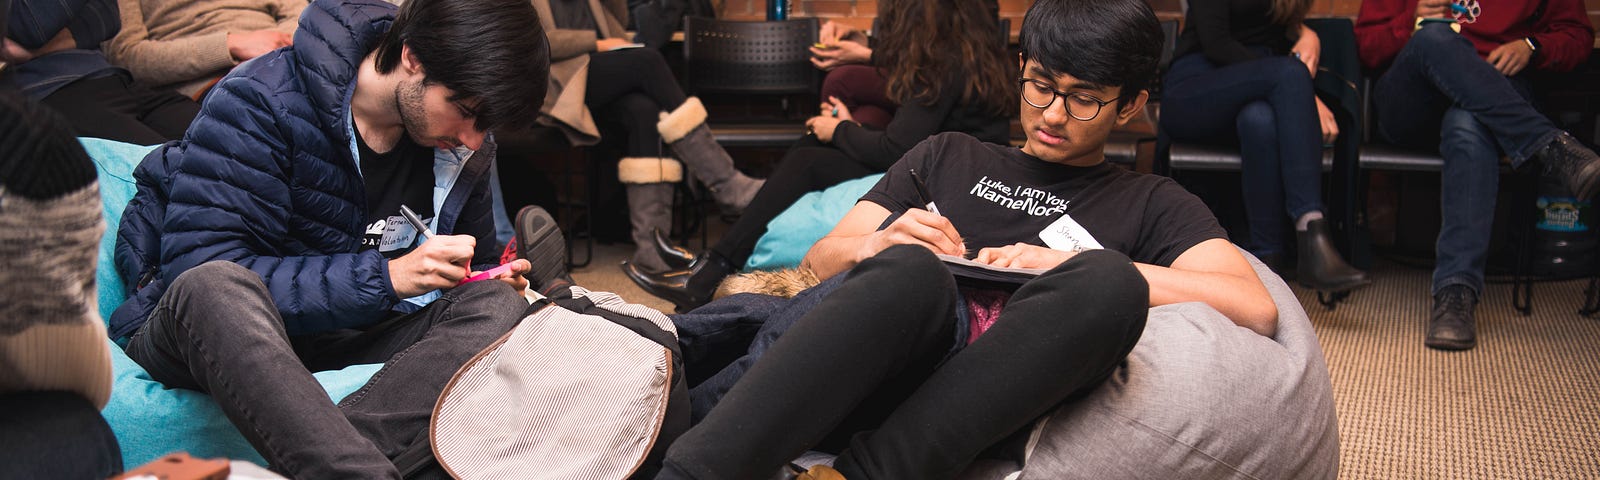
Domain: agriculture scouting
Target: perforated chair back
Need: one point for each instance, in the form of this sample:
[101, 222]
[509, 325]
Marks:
[769, 58]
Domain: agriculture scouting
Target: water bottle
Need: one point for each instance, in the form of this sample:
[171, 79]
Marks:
[1564, 238]
[777, 10]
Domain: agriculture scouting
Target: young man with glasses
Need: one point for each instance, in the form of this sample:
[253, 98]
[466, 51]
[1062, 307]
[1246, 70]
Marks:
[911, 373]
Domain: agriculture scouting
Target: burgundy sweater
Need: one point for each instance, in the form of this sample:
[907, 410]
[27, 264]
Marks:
[1562, 30]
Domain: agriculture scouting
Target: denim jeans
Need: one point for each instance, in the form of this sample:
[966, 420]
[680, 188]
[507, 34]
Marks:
[870, 363]
[55, 435]
[217, 330]
[1440, 93]
[723, 339]
[1267, 107]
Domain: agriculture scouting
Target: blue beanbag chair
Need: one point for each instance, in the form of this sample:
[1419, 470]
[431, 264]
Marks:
[149, 419]
[791, 233]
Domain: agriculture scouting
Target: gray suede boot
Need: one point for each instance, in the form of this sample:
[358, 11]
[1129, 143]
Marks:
[684, 129]
[649, 182]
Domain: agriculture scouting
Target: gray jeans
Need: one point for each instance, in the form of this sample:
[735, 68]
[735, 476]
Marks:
[217, 330]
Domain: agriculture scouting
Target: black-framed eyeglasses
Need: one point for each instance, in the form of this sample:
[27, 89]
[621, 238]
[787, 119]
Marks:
[1040, 95]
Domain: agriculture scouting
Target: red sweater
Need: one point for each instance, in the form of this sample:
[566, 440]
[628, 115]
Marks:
[1563, 32]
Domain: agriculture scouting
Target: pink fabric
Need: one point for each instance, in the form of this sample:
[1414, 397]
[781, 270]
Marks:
[983, 309]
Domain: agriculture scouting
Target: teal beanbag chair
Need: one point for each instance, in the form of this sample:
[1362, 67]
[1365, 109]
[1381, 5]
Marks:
[149, 419]
[791, 233]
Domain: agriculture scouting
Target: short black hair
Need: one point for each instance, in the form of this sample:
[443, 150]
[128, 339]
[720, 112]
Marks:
[493, 51]
[1115, 43]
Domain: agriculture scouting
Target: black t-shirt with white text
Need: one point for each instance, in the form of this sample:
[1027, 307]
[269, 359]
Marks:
[997, 195]
[401, 176]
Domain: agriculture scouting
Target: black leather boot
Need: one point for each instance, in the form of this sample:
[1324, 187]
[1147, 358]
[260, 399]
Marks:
[676, 257]
[687, 288]
[1573, 163]
[1320, 266]
[1450, 327]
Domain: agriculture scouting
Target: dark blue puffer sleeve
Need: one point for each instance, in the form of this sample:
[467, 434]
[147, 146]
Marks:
[230, 197]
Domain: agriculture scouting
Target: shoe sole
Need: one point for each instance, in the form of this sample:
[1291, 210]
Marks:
[1453, 345]
[538, 237]
[1586, 190]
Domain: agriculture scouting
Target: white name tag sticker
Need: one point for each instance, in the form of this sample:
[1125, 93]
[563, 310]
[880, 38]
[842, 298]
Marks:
[1065, 234]
[397, 234]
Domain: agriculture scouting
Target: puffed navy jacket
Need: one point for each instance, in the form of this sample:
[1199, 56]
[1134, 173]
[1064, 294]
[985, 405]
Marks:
[267, 177]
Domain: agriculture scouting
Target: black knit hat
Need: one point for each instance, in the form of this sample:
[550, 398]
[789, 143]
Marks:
[40, 158]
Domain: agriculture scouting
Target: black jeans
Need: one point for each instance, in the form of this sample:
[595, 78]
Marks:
[808, 166]
[632, 87]
[872, 360]
[113, 108]
[55, 435]
[216, 330]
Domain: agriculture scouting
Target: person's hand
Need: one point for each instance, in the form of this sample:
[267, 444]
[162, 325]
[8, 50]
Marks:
[832, 107]
[609, 44]
[1308, 49]
[513, 277]
[1433, 8]
[1022, 255]
[1330, 126]
[832, 32]
[823, 127]
[438, 263]
[1511, 57]
[915, 227]
[841, 53]
[252, 44]
[14, 53]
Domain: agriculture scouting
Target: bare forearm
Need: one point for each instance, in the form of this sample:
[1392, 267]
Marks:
[831, 256]
[1243, 300]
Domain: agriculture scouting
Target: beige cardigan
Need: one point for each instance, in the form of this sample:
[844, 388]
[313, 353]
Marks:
[183, 44]
[569, 68]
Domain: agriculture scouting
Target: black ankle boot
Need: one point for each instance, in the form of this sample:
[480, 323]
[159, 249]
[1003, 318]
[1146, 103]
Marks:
[1573, 163]
[1320, 266]
[1450, 327]
[687, 288]
[676, 257]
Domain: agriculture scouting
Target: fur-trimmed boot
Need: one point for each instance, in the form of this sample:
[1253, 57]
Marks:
[684, 129]
[649, 182]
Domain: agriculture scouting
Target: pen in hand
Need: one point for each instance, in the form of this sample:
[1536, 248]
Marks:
[422, 228]
[922, 193]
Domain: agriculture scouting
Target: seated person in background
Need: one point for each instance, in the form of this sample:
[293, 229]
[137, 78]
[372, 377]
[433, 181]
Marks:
[846, 54]
[593, 68]
[52, 54]
[55, 362]
[1467, 94]
[187, 46]
[273, 240]
[1234, 80]
[945, 70]
[921, 378]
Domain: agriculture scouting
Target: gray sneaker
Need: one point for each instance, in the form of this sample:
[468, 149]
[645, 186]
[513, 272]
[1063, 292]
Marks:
[539, 240]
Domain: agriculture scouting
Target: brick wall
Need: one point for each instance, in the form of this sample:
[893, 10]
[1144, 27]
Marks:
[859, 13]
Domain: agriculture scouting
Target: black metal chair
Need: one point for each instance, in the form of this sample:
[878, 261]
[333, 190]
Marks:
[752, 58]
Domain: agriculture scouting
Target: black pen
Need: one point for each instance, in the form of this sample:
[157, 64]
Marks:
[422, 228]
[922, 192]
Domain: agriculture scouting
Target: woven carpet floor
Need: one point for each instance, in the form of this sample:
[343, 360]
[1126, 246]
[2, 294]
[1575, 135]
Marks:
[1524, 404]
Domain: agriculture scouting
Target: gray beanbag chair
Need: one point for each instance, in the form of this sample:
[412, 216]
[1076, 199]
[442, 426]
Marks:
[1200, 398]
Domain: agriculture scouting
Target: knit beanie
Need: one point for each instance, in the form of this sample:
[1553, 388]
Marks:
[51, 334]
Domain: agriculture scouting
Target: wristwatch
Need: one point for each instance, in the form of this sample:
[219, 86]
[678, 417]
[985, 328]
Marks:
[1533, 45]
